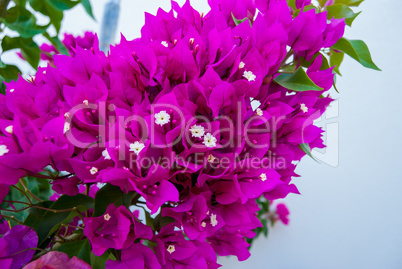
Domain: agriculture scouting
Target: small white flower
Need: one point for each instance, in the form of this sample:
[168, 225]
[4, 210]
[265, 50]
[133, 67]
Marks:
[3, 150]
[263, 176]
[259, 112]
[171, 249]
[249, 75]
[106, 217]
[9, 129]
[66, 127]
[211, 158]
[85, 102]
[164, 43]
[191, 41]
[209, 140]
[197, 131]
[304, 108]
[203, 224]
[214, 222]
[242, 65]
[106, 154]
[162, 118]
[93, 170]
[136, 147]
[66, 115]
[11, 90]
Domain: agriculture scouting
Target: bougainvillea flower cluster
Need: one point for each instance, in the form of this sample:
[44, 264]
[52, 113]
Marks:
[191, 122]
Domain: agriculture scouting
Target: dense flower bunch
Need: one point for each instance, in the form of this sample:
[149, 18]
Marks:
[194, 120]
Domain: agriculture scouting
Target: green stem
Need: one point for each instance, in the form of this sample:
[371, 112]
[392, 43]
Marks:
[12, 218]
[30, 202]
[28, 191]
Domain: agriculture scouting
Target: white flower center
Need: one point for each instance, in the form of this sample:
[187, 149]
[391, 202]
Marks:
[162, 118]
[106, 154]
[11, 90]
[259, 112]
[136, 147]
[214, 222]
[3, 150]
[93, 170]
[197, 131]
[171, 249]
[66, 127]
[211, 158]
[209, 140]
[106, 217]
[164, 43]
[242, 65]
[249, 75]
[191, 41]
[203, 224]
[263, 176]
[9, 129]
[85, 102]
[304, 108]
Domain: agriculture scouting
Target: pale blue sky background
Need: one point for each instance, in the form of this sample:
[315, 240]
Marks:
[347, 216]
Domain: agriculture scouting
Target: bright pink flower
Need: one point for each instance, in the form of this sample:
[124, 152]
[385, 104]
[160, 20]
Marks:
[57, 260]
[283, 213]
[302, 3]
[137, 256]
[16, 246]
[109, 230]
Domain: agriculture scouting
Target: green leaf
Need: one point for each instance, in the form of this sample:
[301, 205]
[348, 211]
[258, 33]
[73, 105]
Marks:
[324, 64]
[29, 49]
[51, 221]
[336, 59]
[334, 84]
[356, 49]
[40, 187]
[292, 4]
[340, 11]
[36, 215]
[99, 262]
[62, 4]
[80, 249]
[265, 227]
[20, 2]
[298, 81]
[322, 2]
[57, 43]
[9, 72]
[110, 194]
[49, 10]
[22, 21]
[351, 3]
[236, 21]
[265, 206]
[88, 8]
[306, 148]
[160, 221]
